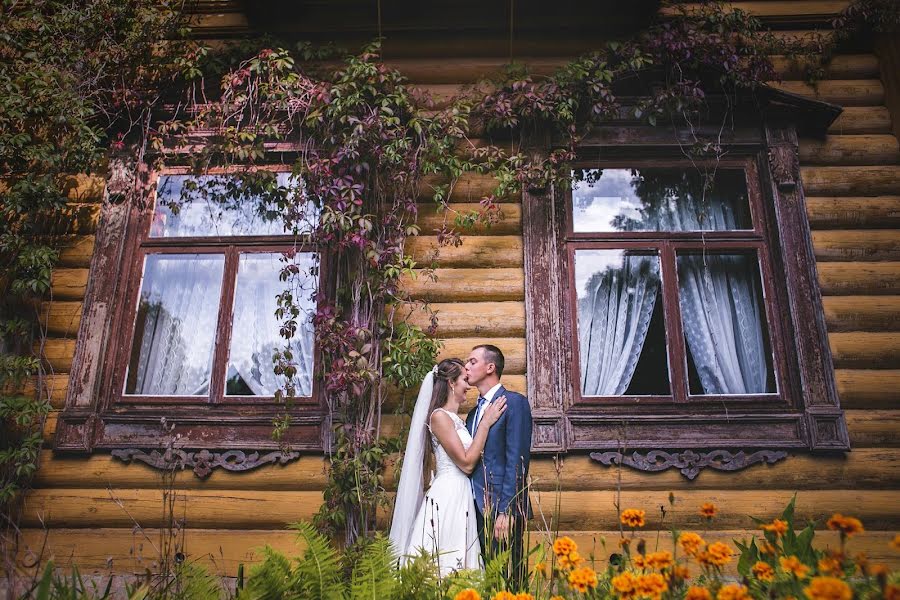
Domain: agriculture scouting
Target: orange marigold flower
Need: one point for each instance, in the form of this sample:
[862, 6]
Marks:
[633, 517]
[651, 585]
[828, 588]
[691, 543]
[829, 565]
[681, 572]
[763, 571]
[524, 596]
[791, 564]
[717, 554]
[467, 594]
[659, 560]
[708, 510]
[582, 579]
[639, 561]
[767, 548]
[777, 526]
[564, 545]
[895, 543]
[624, 542]
[504, 595]
[557, 598]
[846, 525]
[539, 567]
[570, 561]
[734, 591]
[697, 593]
[624, 584]
[892, 592]
[878, 569]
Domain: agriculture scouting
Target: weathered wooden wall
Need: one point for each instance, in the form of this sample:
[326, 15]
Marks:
[83, 509]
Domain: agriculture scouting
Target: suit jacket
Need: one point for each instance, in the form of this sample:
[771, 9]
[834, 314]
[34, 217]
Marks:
[502, 473]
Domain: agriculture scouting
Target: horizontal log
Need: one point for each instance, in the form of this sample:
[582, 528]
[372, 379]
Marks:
[223, 551]
[866, 350]
[468, 187]
[868, 388]
[768, 9]
[232, 509]
[853, 212]
[58, 353]
[513, 349]
[851, 181]
[55, 387]
[843, 66]
[76, 251]
[872, 244]
[61, 317]
[68, 283]
[407, 398]
[432, 218]
[850, 150]
[840, 278]
[845, 92]
[472, 285]
[864, 468]
[861, 119]
[873, 428]
[505, 319]
[84, 188]
[482, 251]
[862, 313]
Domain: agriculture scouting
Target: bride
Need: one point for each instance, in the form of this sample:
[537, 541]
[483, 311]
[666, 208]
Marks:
[441, 520]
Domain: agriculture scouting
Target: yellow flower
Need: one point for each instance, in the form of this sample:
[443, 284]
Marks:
[895, 543]
[570, 561]
[681, 572]
[651, 585]
[892, 592]
[763, 571]
[697, 593]
[539, 567]
[777, 526]
[828, 588]
[708, 510]
[467, 594]
[717, 554]
[504, 596]
[639, 561]
[582, 579]
[691, 543]
[792, 565]
[659, 560]
[829, 565]
[624, 584]
[767, 548]
[633, 517]
[564, 545]
[524, 596]
[557, 598]
[734, 591]
[878, 570]
[846, 525]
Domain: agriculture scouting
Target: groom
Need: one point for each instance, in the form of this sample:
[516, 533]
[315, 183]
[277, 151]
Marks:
[500, 477]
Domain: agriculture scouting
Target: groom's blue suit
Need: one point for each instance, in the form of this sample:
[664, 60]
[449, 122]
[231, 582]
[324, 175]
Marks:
[502, 473]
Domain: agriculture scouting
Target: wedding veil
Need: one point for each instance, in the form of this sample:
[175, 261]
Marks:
[410, 496]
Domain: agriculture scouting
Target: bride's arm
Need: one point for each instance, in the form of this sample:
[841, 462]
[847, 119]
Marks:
[444, 429]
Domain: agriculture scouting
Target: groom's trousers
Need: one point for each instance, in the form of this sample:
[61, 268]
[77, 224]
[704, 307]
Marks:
[517, 568]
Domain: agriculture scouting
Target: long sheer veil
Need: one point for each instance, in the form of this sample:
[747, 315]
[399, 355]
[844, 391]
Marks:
[409, 491]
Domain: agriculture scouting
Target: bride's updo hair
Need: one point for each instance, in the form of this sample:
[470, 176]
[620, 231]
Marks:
[448, 370]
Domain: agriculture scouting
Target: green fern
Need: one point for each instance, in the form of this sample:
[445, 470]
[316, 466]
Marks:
[270, 579]
[417, 578]
[193, 582]
[375, 577]
[318, 574]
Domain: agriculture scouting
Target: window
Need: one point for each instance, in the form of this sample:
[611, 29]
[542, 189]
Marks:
[668, 298]
[673, 314]
[194, 330]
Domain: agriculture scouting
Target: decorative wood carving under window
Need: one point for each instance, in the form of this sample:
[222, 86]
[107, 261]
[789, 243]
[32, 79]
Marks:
[657, 419]
[172, 353]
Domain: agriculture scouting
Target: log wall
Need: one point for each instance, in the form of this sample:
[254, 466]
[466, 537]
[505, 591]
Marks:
[83, 510]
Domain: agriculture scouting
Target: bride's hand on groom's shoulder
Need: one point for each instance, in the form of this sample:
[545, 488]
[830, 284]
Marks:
[494, 411]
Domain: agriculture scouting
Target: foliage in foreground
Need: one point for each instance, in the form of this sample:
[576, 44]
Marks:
[781, 563]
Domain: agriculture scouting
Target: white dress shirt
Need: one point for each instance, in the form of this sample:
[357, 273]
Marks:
[489, 397]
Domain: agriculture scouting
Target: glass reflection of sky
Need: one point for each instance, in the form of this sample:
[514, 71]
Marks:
[596, 204]
[589, 262]
[202, 214]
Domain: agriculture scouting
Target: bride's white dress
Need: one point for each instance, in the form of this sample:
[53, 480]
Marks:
[445, 524]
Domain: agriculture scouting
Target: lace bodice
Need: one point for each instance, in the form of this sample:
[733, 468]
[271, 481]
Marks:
[443, 463]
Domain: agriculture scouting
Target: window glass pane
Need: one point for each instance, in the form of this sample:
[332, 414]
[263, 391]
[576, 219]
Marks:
[659, 199]
[208, 205]
[725, 330]
[175, 326]
[621, 331]
[255, 334]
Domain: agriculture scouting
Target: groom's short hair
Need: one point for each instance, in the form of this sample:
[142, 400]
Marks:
[492, 354]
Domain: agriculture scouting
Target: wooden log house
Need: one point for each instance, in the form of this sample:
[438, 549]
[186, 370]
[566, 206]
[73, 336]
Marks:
[837, 448]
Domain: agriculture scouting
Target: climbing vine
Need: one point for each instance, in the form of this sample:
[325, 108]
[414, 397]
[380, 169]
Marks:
[359, 142]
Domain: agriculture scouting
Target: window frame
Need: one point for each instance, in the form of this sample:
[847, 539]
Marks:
[666, 245]
[99, 415]
[679, 434]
